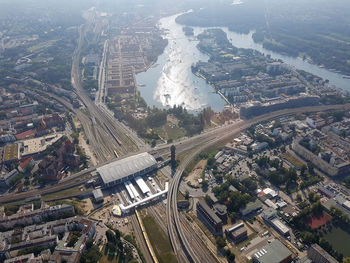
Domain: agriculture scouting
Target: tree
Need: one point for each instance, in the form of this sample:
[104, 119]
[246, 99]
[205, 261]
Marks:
[346, 260]
[299, 198]
[205, 185]
[220, 242]
[208, 200]
[309, 238]
[91, 255]
[154, 143]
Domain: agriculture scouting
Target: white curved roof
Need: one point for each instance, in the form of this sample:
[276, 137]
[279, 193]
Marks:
[123, 168]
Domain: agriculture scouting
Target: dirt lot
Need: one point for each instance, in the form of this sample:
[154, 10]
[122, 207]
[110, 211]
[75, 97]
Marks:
[87, 149]
[87, 206]
[196, 173]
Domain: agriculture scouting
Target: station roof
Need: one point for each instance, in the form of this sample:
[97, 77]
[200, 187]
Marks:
[125, 167]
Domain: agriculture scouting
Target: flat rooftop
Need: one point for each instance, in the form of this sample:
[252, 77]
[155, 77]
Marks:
[125, 167]
[275, 252]
[37, 145]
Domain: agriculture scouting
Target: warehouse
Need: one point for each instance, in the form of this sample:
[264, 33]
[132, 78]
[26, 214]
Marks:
[275, 252]
[126, 169]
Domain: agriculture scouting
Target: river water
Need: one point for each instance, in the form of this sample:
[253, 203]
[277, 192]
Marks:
[170, 82]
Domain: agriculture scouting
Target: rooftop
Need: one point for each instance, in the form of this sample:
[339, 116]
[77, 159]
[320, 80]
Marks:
[274, 252]
[97, 193]
[122, 168]
[209, 211]
[324, 253]
[250, 207]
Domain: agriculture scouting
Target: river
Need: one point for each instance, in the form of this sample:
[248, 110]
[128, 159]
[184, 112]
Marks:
[170, 82]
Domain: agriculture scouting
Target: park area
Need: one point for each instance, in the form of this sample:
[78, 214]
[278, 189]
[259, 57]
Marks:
[340, 240]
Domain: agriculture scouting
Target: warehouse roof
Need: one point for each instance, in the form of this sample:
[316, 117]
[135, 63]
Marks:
[123, 168]
[274, 252]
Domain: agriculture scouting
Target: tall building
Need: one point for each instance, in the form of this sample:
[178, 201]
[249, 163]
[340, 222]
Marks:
[206, 214]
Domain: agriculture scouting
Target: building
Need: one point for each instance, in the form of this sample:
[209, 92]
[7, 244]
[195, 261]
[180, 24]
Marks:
[126, 169]
[258, 109]
[259, 146]
[208, 216]
[183, 204]
[251, 207]
[25, 163]
[332, 169]
[270, 217]
[326, 192]
[269, 214]
[319, 255]
[28, 216]
[46, 234]
[21, 259]
[275, 252]
[237, 233]
[5, 179]
[315, 122]
[98, 195]
[221, 212]
[280, 227]
[11, 153]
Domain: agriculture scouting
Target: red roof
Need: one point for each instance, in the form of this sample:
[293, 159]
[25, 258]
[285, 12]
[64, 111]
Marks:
[25, 135]
[25, 161]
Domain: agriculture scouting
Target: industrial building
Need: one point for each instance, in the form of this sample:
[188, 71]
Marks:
[126, 169]
[274, 252]
[211, 220]
[319, 255]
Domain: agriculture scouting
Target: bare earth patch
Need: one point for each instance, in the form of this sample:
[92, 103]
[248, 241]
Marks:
[196, 173]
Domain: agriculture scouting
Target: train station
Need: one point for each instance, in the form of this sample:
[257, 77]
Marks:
[126, 169]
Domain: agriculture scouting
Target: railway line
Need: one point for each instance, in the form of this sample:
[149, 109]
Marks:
[182, 146]
[179, 237]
